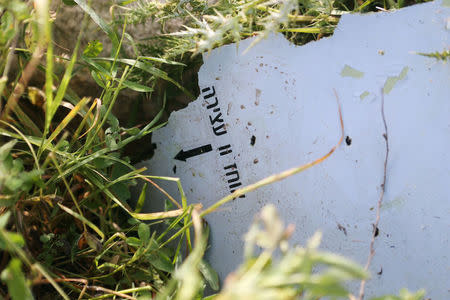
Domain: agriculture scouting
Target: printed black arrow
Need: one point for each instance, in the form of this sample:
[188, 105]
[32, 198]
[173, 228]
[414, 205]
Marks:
[183, 155]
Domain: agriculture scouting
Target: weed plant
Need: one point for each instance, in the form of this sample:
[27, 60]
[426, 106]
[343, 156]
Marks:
[66, 228]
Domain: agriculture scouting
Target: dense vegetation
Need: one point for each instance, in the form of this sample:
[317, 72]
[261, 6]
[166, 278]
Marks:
[67, 228]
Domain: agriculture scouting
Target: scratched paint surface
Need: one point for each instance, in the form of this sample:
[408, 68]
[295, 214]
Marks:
[274, 108]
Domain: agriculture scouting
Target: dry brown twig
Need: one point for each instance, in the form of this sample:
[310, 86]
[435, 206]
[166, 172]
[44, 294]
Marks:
[20, 87]
[380, 201]
[161, 190]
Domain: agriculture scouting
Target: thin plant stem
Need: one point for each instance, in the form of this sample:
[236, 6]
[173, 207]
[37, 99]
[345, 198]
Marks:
[160, 189]
[74, 199]
[12, 45]
[20, 87]
[380, 200]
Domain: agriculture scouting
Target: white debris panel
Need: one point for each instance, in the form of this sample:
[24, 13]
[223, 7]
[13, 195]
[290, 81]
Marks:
[273, 108]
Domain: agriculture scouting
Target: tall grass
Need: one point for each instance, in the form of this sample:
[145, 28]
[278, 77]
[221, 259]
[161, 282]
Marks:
[64, 183]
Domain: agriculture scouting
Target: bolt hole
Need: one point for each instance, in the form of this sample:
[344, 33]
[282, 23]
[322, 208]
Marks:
[376, 231]
[348, 140]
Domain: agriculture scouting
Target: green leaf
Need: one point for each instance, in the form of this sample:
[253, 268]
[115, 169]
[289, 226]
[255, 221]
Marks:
[114, 122]
[101, 23]
[162, 60]
[133, 221]
[69, 2]
[147, 67]
[15, 280]
[209, 274]
[133, 242]
[137, 87]
[4, 219]
[18, 8]
[144, 66]
[102, 163]
[100, 67]
[98, 78]
[132, 130]
[13, 237]
[407, 295]
[45, 238]
[141, 200]
[127, 2]
[342, 263]
[7, 29]
[6, 149]
[93, 49]
[92, 241]
[161, 262]
[404, 294]
[120, 189]
[144, 233]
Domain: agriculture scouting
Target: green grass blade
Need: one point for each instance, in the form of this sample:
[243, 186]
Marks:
[101, 23]
[65, 121]
[309, 30]
[53, 106]
[149, 69]
[26, 121]
[49, 70]
[161, 60]
[83, 220]
[141, 199]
